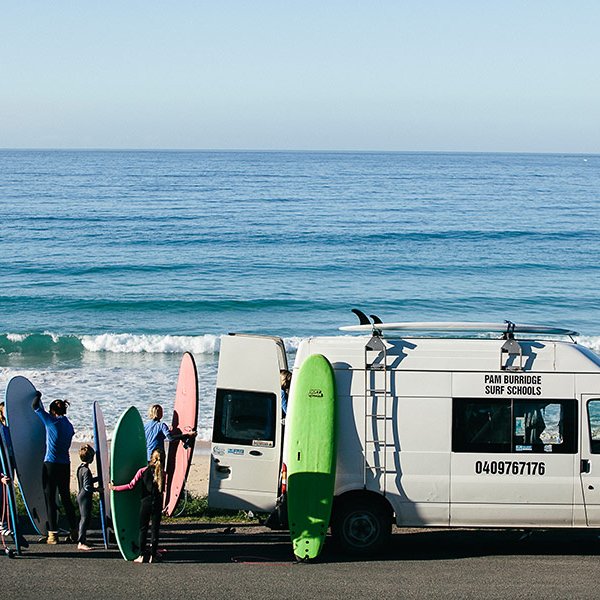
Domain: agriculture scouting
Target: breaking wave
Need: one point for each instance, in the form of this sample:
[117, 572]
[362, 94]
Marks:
[66, 346]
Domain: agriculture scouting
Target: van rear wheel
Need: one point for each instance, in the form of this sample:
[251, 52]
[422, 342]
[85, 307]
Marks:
[361, 526]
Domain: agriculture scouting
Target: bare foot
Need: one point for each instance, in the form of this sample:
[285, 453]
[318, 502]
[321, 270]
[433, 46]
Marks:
[139, 559]
[81, 546]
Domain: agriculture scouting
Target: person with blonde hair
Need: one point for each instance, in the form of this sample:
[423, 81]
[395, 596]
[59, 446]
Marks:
[157, 432]
[151, 480]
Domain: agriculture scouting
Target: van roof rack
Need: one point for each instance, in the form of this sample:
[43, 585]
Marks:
[507, 328]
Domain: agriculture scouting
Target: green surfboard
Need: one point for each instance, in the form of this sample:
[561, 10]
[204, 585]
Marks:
[311, 432]
[128, 455]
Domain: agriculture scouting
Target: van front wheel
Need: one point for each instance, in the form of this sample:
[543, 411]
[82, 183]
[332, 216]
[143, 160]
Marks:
[361, 526]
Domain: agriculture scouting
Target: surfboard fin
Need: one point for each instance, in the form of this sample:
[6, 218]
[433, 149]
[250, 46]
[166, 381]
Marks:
[376, 320]
[362, 318]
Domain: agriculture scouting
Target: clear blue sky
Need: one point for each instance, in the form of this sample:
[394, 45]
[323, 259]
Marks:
[468, 75]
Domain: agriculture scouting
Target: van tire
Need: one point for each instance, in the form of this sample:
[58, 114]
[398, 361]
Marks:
[361, 525]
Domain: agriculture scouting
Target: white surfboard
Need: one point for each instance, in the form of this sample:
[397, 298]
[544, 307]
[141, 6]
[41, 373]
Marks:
[103, 470]
[28, 436]
[460, 326]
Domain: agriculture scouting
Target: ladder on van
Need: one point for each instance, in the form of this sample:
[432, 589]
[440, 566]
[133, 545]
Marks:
[377, 394]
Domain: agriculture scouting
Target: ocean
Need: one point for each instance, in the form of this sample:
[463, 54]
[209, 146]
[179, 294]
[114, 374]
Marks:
[113, 263]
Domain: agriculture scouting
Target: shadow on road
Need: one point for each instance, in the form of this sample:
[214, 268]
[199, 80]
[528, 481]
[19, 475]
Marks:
[244, 543]
[249, 543]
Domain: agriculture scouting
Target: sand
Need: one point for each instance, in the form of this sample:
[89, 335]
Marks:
[197, 482]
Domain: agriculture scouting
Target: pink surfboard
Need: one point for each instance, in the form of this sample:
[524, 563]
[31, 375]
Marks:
[185, 419]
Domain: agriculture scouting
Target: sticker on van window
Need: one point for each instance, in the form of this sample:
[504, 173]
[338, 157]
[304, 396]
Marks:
[262, 443]
[509, 467]
[520, 427]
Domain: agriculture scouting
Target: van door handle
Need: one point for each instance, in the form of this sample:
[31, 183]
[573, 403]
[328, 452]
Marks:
[586, 466]
[255, 452]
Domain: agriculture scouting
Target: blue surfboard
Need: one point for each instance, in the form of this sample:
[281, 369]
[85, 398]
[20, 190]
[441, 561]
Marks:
[28, 436]
[11, 501]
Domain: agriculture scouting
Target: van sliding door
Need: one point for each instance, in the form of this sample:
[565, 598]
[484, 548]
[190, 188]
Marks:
[513, 461]
[590, 458]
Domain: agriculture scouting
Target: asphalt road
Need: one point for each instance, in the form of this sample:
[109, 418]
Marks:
[203, 561]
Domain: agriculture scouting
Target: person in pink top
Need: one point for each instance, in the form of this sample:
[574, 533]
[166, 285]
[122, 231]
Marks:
[152, 482]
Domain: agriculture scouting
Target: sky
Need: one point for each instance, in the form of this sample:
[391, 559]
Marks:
[418, 75]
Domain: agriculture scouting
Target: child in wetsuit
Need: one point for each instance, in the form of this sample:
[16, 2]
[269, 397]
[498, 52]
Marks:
[151, 479]
[86, 491]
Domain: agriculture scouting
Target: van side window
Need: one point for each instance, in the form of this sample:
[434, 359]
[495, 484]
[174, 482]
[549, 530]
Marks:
[481, 425]
[515, 425]
[593, 407]
[243, 418]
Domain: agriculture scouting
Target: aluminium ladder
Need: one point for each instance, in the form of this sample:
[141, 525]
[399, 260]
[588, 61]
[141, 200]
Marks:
[377, 394]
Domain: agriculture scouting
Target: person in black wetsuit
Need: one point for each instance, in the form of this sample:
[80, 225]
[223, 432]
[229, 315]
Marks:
[152, 482]
[86, 492]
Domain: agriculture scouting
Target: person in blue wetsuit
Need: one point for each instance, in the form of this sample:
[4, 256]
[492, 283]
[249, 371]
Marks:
[57, 464]
[285, 379]
[157, 432]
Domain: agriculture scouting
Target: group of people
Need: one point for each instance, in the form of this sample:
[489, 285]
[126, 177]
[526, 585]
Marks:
[56, 473]
[56, 476]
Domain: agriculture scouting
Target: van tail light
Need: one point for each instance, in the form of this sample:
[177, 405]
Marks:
[283, 479]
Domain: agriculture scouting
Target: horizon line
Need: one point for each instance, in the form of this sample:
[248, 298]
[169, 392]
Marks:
[288, 150]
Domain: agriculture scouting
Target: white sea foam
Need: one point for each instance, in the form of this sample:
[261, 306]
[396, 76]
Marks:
[16, 337]
[153, 344]
[118, 382]
[291, 344]
[591, 342]
[54, 336]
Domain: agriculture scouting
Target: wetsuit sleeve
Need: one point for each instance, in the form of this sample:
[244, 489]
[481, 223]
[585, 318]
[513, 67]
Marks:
[132, 483]
[37, 401]
[167, 432]
[40, 411]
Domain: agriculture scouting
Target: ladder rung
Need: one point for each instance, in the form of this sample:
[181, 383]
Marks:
[379, 443]
[375, 367]
[380, 416]
[380, 469]
[377, 391]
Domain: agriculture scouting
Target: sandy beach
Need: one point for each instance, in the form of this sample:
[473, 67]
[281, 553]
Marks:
[197, 482]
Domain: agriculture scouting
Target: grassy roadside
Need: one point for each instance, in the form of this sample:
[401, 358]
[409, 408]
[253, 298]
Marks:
[190, 507]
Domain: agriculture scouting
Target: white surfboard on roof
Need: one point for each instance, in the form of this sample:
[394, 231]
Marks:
[460, 326]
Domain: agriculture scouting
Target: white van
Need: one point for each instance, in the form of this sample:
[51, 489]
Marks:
[495, 431]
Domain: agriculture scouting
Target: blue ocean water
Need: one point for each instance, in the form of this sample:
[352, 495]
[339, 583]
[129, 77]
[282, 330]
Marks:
[113, 263]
